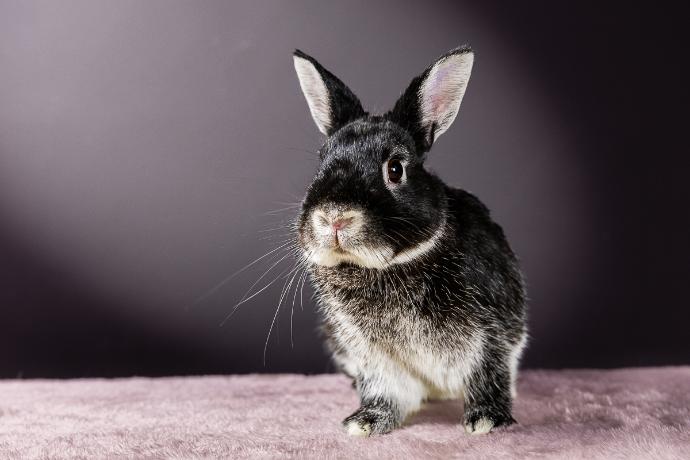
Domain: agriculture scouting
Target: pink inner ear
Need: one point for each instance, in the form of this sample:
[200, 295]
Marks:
[438, 95]
[442, 91]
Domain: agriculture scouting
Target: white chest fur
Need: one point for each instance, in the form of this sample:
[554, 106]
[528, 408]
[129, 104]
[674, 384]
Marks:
[414, 366]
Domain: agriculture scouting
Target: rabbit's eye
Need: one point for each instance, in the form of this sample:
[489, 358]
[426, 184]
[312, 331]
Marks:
[395, 171]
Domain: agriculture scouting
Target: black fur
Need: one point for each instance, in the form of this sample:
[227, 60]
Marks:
[468, 286]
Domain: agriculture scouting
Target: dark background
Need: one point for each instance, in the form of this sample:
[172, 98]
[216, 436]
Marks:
[148, 150]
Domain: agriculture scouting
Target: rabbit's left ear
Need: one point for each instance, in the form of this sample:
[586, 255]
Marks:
[330, 101]
[431, 102]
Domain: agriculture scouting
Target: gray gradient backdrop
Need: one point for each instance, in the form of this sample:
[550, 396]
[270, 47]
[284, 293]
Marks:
[146, 145]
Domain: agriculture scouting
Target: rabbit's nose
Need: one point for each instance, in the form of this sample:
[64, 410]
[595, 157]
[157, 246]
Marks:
[341, 223]
[332, 222]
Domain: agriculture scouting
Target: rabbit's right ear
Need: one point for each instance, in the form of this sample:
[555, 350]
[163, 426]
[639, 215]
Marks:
[430, 104]
[331, 103]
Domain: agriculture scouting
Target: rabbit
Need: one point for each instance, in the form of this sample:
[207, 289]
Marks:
[419, 294]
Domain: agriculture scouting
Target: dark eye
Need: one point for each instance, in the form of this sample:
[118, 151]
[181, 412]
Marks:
[395, 171]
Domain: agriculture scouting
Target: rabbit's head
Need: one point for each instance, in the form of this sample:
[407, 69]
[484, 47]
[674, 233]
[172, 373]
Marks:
[372, 203]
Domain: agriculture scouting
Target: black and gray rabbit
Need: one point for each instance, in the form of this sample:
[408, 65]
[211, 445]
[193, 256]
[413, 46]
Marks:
[419, 292]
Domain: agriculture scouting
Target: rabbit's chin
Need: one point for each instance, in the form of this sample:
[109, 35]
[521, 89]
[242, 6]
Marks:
[360, 256]
[379, 257]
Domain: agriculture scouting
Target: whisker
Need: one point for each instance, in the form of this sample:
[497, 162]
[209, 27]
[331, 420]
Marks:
[278, 211]
[274, 229]
[290, 203]
[285, 256]
[246, 299]
[237, 305]
[292, 308]
[280, 302]
[301, 290]
[213, 290]
[285, 236]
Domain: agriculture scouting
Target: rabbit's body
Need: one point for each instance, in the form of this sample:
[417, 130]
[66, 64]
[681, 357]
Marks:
[420, 294]
[423, 328]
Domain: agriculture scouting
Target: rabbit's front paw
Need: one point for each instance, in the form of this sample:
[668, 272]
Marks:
[481, 422]
[371, 420]
[481, 425]
[357, 427]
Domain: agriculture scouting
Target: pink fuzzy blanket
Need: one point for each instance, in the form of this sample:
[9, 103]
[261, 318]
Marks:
[627, 413]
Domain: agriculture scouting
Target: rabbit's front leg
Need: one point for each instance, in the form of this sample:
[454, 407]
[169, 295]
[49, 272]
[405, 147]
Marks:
[386, 399]
[488, 399]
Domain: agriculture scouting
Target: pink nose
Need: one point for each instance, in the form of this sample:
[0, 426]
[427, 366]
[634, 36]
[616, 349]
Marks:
[340, 224]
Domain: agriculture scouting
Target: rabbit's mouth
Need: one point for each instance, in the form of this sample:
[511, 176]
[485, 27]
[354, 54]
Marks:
[332, 235]
[360, 256]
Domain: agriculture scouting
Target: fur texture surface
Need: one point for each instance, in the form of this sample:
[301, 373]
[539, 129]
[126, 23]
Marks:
[626, 413]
